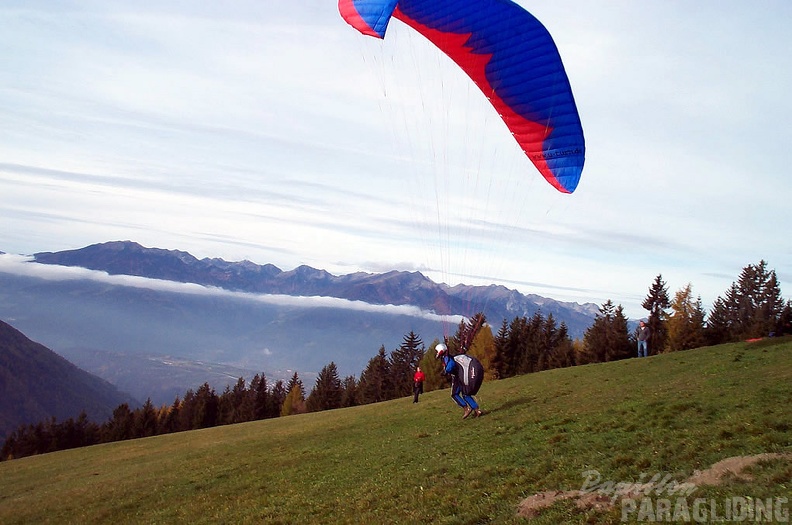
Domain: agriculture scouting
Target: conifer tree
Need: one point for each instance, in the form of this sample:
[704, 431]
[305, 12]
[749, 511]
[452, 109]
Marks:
[656, 303]
[240, 404]
[375, 383]
[751, 307]
[502, 361]
[563, 352]
[607, 339]
[327, 392]
[349, 397]
[515, 347]
[529, 337]
[261, 396]
[145, 420]
[296, 382]
[276, 399]
[186, 411]
[403, 362]
[120, 427]
[207, 407]
[722, 320]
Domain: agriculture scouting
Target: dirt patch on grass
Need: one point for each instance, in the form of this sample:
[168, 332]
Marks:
[730, 466]
[605, 496]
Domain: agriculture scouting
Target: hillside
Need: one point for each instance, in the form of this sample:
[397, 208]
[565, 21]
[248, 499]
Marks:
[395, 462]
[37, 384]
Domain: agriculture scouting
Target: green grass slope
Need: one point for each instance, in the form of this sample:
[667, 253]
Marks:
[398, 462]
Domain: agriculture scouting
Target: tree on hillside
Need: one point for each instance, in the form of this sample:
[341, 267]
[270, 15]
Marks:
[234, 404]
[559, 351]
[349, 397]
[685, 325]
[169, 418]
[403, 362]
[259, 392]
[120, 426]
[502, 361]
[276, 399]
[145, 420]
[293, 404]
[375, 381]
[760, 301]
[518, 350]
[784, 324]
[532, 343]
[607, 339]
[751, 307]
[327, 392]
[186, 409]
[483, 348]
[656, 303]
[207, 406]
[296, 382]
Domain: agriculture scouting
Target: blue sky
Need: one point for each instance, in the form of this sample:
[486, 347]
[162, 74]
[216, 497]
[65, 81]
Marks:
[272, 131]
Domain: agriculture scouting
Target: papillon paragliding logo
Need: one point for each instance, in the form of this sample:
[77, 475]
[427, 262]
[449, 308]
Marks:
[513, 60]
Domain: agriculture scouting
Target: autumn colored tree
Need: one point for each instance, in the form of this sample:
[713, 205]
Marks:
[483, 348]
[294, 402]
[685, 325]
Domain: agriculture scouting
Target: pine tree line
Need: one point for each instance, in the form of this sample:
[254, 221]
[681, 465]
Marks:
[752, 307]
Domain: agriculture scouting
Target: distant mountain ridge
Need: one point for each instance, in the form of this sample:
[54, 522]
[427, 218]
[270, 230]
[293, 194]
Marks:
[394, 287]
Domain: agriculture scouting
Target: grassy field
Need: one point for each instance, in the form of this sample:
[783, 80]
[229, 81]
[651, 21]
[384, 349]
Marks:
[397, 462]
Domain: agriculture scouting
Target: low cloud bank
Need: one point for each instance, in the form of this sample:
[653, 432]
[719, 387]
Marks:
[26, 266]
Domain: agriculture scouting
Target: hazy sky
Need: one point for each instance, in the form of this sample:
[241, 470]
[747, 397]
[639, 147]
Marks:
[272, 131]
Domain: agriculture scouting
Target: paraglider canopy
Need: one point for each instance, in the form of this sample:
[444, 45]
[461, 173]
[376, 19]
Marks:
[511, 57]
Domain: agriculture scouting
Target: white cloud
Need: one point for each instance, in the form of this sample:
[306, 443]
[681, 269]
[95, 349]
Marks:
[24, 266]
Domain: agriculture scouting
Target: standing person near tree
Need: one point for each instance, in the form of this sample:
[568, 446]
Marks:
[643, 339]
[466, 376]
[418, 381]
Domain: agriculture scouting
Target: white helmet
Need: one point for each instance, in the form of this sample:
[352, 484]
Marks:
[440, 349]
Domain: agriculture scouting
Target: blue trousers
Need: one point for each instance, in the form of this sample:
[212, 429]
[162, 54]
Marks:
[461, 399]
[642, 346]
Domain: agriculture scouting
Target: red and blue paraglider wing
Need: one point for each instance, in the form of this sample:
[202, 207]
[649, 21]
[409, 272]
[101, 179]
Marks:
[511, 57]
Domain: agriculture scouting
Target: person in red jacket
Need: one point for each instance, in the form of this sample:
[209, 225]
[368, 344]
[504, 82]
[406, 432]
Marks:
[418, 381]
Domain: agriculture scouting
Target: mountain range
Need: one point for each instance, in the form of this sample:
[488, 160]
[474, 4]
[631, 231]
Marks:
[391, 288]
[156, 322]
